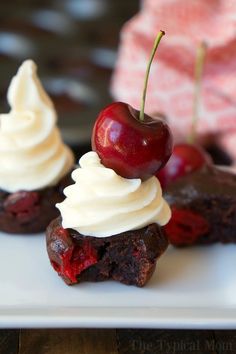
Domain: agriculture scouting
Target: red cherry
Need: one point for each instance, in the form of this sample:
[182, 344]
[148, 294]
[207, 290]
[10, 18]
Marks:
[130, 142]
[133, 148]
[185, 159]
[188, 157]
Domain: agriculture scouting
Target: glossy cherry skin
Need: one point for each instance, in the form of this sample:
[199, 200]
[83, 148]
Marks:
[185, 159]
[132, 148]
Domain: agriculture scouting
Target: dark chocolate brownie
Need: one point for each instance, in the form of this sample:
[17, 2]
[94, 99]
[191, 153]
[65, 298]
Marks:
[203, 207]
[129, 257]
[26, 212]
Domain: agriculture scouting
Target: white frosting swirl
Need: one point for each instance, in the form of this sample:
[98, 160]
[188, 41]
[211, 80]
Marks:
[102, 203]
[32, 154]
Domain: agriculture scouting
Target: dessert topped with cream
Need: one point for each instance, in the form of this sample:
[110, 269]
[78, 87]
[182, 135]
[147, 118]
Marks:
[112, 217]
[101, 203]
[32, 153]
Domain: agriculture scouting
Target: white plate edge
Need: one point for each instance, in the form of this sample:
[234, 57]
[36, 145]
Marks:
[108, 317]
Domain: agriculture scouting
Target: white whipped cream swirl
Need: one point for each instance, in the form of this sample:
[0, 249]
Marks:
[101, 203]
[32, 154]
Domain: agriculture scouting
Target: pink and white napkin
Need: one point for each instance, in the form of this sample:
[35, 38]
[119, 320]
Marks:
[171, 85]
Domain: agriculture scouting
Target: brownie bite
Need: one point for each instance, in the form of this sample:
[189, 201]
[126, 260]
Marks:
[110, 227]
[203, 207]
[129, 257]
[27, 212]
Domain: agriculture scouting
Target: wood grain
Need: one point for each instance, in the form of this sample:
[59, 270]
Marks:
[135, 341]
[225, 342]
[9, 341]
[120, 341]
[68, 341]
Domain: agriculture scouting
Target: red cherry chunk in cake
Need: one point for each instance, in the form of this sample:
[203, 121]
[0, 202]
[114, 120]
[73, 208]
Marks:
[23, 204]
[75, 259]
[185, 227]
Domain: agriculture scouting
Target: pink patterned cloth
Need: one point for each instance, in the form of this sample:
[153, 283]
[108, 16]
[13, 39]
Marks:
[171, 85]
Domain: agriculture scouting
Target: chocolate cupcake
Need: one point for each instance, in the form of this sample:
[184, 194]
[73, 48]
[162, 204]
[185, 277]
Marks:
[203, 207]
[35, 163]
[110, 226]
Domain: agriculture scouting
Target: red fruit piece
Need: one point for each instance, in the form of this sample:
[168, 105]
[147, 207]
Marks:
[81, 259]
[131, 147]
[185, 227]
[185, 159]
[24, 205]
[63, 234]
[136, 253]
[75, 259]
[130, 142]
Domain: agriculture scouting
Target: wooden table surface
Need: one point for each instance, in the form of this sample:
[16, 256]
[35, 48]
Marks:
[116, 341]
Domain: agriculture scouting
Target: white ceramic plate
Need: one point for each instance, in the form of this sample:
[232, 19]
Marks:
[192, 288]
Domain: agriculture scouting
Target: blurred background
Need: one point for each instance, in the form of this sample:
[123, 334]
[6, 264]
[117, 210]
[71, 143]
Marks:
[74, 43]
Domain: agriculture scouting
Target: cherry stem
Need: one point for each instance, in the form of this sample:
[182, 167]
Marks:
[198, 73]
[156, 43]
